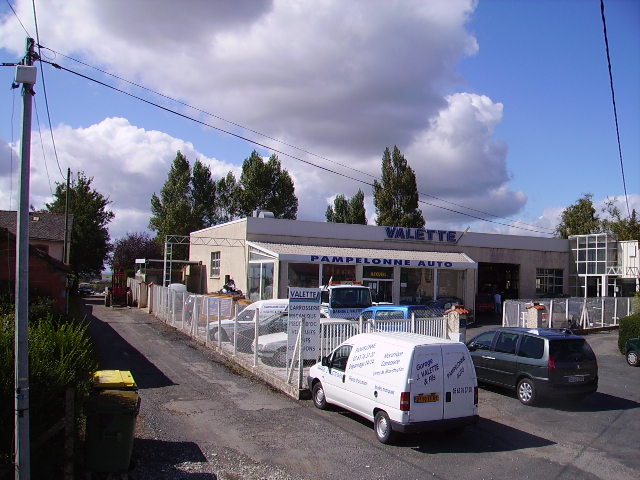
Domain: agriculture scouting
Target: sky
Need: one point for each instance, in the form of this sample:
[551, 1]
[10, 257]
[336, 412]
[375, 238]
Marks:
[503, 108]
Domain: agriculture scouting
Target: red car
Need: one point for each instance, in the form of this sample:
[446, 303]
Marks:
[485, 302]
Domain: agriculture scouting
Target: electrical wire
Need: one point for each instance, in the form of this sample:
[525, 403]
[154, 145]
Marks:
[269, 137]
[46, 98]
[46, 167]
[241, 137]
[18, 18]
[613, 100]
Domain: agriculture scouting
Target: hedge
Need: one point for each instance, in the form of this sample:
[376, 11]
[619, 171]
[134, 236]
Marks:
[629, 328]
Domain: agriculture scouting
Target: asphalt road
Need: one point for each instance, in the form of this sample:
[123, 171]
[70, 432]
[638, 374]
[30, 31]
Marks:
[201, 418]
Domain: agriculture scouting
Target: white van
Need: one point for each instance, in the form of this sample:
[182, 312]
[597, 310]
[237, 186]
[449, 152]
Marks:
[403, 382]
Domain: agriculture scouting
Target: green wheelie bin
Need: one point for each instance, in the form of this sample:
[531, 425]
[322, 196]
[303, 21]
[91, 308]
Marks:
[111, 412]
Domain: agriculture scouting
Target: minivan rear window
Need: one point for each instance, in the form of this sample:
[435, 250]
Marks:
[574, 349]
[531, 347]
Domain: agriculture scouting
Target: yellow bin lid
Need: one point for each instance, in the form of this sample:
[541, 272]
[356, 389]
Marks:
[113, 379]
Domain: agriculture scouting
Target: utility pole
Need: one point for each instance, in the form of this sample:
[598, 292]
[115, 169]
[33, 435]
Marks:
[25, 74]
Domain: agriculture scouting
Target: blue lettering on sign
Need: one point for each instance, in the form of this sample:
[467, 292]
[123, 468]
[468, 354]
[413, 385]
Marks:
[440, 236]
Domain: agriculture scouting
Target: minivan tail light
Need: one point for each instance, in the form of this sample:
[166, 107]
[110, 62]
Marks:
[405, 401]
[552, 364]
[475, 395]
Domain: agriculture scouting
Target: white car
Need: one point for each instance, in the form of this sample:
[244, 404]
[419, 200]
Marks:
[272, 348]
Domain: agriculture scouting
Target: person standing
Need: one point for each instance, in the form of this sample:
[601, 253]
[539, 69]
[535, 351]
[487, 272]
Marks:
[497, 297]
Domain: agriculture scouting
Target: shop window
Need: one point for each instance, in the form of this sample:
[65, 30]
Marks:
[338, 273]
[214, 269]
[451, 285]
[549, 281]
[416, 286]
[260, 281]
[303, 275]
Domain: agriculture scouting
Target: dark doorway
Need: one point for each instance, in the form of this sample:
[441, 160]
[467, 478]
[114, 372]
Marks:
[499, 277]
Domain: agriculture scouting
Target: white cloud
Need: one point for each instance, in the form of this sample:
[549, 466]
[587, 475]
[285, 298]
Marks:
[344, 79]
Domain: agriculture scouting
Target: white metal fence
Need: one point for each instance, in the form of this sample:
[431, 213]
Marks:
[582, 313]
[218, 322]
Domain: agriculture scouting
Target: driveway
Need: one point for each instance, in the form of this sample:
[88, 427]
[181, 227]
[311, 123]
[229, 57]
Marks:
[203, 418]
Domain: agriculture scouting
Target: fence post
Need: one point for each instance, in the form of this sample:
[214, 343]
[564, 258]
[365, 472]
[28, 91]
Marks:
[615, 311]
[256, 316]
[413, 322]
[602, 312]
[550, 313]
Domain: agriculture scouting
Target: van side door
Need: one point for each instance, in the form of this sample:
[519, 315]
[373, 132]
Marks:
[459, 382]
[504, 366]
[335, 382]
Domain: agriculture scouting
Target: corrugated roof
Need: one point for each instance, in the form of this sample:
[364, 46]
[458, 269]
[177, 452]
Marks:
[289, 249]
[43, 226]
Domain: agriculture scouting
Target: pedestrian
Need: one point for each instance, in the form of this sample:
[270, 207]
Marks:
[497, 298]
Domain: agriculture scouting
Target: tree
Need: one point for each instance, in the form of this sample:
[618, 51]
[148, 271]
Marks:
[132, 246]
[396, 196]
[579, 218]
[622, 228]
[266, 186]
[203, 196]
[90, 245]
[172, 212]
[226, 198]
[347, 211]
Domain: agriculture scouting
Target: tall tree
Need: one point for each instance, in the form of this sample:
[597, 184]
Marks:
[203, 196]
[396, 196]
[347, 211]
[579, 218]
[623, 228]
[266, 186]
[171, 213]
[90, 245]
[132, 246]
[226, 198]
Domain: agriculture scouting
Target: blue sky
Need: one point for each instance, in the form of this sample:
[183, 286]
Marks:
[501, 107]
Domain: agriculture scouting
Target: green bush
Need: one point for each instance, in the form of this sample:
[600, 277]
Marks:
[629, 328]
[61, 355]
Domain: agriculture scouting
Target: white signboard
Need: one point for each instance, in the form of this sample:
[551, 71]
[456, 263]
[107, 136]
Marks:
[304, 303]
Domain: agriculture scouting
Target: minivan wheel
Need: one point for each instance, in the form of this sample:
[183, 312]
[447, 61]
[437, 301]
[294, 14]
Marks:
[318, 397]
[382, 427]
[632, 358]
[526, 391]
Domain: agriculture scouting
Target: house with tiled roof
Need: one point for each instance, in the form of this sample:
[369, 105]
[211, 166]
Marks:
[46, 230]
[48, 274]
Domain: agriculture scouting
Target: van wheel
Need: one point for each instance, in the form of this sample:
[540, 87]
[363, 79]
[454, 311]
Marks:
[319, 399]
[382, 427]
[632, 358]
[526, 391]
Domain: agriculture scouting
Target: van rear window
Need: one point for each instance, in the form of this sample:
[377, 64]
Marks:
[574, 349]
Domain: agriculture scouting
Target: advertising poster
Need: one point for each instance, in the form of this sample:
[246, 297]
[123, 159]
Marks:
[304, 303]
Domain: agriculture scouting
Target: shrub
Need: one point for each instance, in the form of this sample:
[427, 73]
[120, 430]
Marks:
[61, 355]
[629, 328]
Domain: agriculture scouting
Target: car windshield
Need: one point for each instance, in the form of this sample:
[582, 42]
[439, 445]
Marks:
[351, 297]
[574, 349]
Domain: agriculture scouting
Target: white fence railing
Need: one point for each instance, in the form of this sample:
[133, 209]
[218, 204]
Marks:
[214, 321]
[579, 313]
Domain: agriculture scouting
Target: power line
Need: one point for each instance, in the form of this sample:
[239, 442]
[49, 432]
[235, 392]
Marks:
[613, 100]
[255, 142]
[46, 167]
[271, 138]
[18, 18]
[46, 98]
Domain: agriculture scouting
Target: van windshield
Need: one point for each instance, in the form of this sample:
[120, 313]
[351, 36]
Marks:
[351, 297]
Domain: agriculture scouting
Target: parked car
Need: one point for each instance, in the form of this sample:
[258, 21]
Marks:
[632, 351]
[272, 347]
[535, 362]
[85, 289]
[485, 303]
[400, 312]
